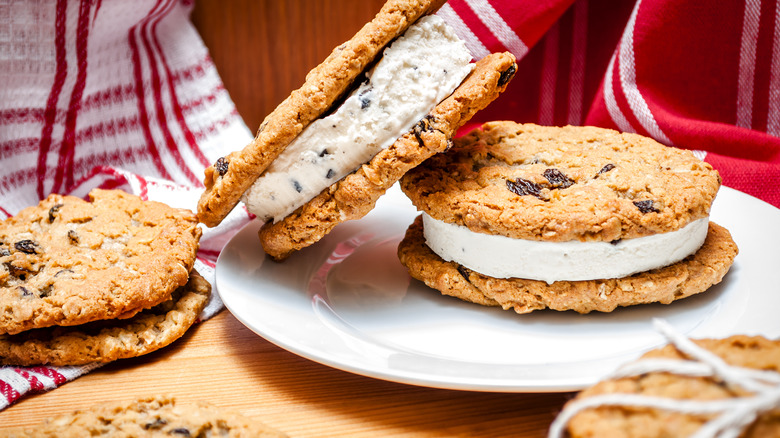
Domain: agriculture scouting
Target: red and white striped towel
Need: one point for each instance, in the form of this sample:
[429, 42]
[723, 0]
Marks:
[108, 93]
[697, 75]
[111, 94]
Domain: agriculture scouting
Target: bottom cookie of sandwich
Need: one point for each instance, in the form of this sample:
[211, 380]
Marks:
[693, 275]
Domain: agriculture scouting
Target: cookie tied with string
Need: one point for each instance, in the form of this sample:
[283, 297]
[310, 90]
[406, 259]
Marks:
[702, 388]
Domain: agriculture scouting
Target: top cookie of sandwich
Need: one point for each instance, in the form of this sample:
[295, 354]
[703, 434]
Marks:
[67, 261]
[562, 183]
[229, 177]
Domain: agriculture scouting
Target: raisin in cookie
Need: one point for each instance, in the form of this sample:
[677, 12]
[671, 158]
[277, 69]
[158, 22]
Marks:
[109, 340]
[582, 218]
[230, 176]
[68, 261]
[628, 420]
[149, 417]
[355, 195]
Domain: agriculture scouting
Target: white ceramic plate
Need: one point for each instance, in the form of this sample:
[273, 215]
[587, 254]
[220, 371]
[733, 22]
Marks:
[347, 302]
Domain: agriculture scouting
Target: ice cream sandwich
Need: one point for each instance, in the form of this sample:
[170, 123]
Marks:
[574, 218]
[380, 104]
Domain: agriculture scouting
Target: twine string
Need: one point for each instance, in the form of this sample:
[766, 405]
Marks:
[732, 415]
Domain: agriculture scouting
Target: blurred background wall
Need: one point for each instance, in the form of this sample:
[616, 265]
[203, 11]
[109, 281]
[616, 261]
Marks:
[264, 48]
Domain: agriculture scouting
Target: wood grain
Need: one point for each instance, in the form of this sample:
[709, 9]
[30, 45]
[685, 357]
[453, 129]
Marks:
[225, 363]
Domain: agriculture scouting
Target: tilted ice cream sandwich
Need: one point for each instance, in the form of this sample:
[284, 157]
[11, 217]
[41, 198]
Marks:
[359, 122]
[530, 217]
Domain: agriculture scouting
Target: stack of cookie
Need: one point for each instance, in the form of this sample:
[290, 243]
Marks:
[576, 218]
[96, 281]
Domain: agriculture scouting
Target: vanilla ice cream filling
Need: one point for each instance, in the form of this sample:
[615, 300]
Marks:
[416, 72]
[505, 257]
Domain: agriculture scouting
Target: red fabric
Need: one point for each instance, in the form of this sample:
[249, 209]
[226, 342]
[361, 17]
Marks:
[696, 75]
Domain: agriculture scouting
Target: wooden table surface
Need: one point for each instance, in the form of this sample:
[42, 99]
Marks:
[223, 362]
[262, 50]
